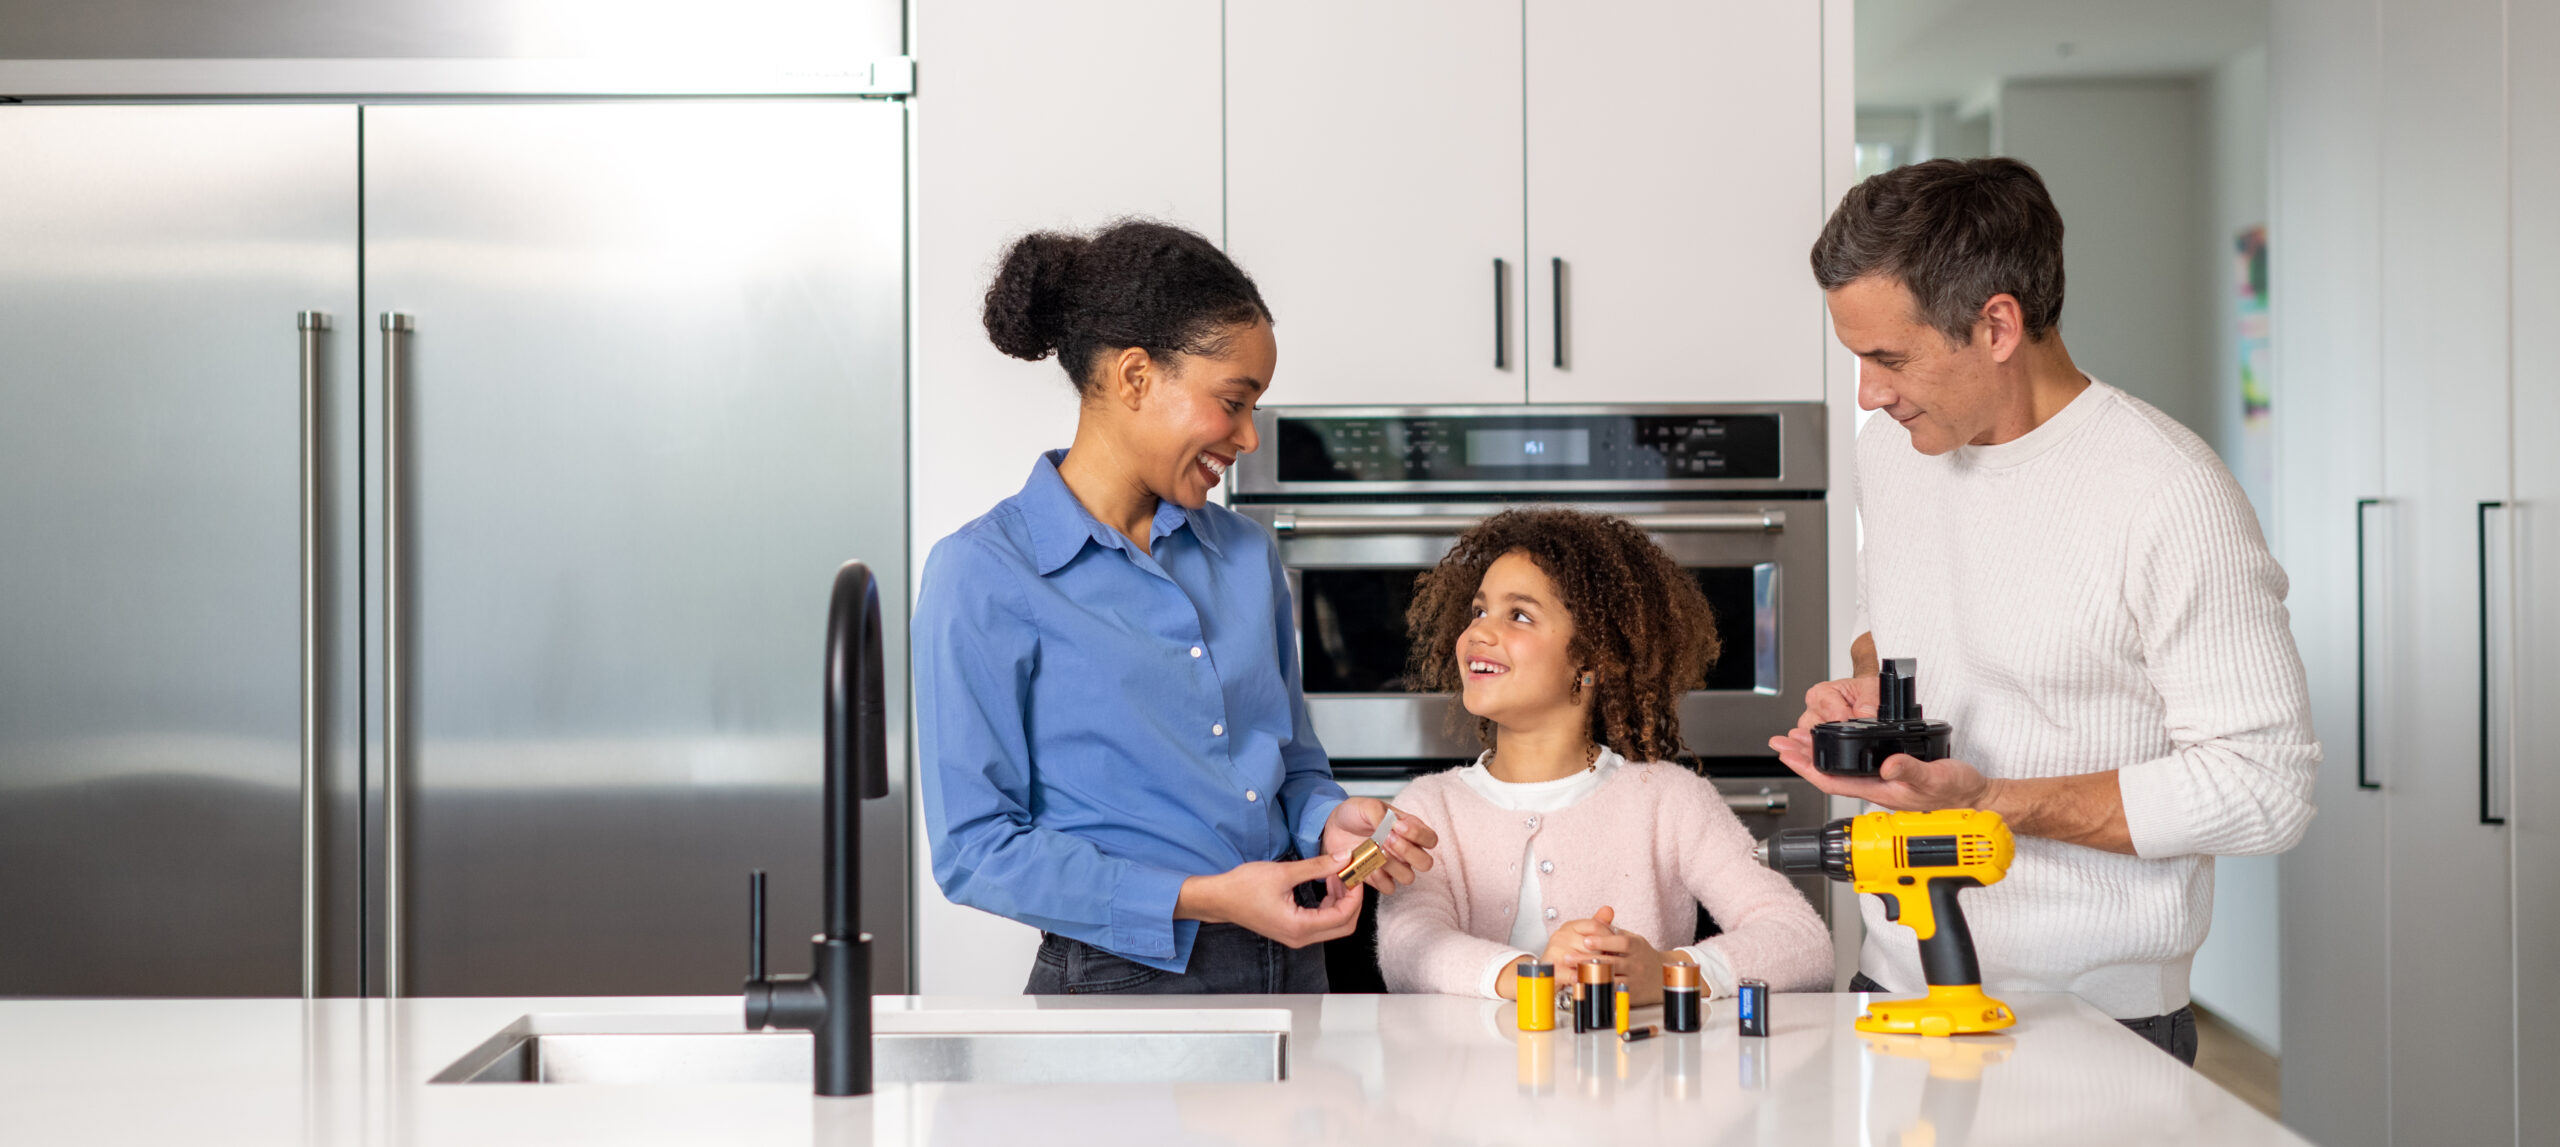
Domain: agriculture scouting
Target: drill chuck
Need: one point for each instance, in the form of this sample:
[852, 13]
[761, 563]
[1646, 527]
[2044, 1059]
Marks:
[1811, 851]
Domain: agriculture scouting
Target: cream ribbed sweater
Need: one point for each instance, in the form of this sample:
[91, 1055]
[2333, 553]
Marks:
[2093, 595]
[1653, 842]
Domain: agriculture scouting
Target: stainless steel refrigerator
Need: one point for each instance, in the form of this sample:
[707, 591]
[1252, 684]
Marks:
[416, 526]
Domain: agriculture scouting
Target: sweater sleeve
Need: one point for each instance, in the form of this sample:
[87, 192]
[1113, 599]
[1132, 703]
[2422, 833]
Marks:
[2217, 645]
[1770, 932]
[1421, 945]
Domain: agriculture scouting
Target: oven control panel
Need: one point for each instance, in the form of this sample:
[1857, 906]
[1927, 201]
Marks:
[1528, 446]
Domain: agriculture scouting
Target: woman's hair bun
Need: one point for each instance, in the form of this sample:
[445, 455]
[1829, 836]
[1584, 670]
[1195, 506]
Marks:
[1026, 311]
[1133, 283]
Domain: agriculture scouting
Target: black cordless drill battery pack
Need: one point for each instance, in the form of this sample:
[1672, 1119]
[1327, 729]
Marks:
[1860, 747]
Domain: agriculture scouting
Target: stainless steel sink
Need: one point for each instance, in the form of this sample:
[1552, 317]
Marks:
[523, 1053]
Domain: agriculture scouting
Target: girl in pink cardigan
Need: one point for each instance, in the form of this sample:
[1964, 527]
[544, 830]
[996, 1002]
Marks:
[1570, 637]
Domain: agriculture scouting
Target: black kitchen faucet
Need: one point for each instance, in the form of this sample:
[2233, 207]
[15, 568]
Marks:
[833, 1003]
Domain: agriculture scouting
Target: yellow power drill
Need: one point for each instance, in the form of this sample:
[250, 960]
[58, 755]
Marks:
[1917, 861]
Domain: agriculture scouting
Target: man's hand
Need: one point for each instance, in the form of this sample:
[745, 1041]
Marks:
[1407, 846]
[2087, 809]
[1843, 700]
[1262, 896]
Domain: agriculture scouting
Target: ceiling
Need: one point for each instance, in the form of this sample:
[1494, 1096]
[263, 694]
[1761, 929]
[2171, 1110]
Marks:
[1937, 51]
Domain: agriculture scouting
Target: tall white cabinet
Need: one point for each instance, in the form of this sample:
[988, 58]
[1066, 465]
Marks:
[2412, 155]
[1450, 201]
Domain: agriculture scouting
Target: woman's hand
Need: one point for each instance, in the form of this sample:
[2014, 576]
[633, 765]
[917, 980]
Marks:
[1407, 846]
[1262, 895]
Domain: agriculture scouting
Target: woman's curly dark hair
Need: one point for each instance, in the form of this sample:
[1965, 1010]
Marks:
[1640, 625]
[1134, 283]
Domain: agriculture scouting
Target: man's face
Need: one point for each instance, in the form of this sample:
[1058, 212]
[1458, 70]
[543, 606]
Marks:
[1945, 394]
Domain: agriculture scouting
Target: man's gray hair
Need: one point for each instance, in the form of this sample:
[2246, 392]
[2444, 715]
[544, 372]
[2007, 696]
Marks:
[1955, 232]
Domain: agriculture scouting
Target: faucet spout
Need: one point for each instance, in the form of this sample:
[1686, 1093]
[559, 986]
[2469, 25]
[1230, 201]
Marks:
[833, 1002]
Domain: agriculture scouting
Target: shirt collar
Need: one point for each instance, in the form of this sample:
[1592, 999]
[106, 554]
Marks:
[1060, 525]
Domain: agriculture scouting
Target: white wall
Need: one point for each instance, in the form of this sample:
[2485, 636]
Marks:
[1029, 114]
[2123, 161]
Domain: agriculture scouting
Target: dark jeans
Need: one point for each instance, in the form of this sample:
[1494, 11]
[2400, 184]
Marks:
[2175, 1033]
[1226, 959]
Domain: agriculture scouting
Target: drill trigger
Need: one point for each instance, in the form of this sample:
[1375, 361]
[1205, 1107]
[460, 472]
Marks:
[1893, 908]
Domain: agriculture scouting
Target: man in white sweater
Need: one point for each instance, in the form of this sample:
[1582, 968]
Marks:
[2090, 599]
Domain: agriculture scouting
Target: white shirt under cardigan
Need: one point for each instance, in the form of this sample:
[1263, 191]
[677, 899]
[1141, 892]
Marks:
[1532, 923]
[2093, 595]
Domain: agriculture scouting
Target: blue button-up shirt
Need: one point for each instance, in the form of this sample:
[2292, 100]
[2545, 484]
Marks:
[1097, 724]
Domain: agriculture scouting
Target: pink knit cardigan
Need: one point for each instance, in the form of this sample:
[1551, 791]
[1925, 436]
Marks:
[1653, 842]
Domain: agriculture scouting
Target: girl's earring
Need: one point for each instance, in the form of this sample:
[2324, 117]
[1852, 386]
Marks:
[1580, 682]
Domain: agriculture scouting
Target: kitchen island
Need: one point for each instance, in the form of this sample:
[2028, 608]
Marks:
[1382, 1070]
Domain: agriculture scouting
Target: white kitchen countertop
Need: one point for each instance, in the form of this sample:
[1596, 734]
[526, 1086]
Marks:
[1379, 1070]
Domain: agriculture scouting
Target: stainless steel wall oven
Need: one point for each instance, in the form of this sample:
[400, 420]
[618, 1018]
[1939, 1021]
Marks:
[1364, 499]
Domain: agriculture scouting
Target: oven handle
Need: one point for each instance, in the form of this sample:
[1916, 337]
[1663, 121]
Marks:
[1753, 522]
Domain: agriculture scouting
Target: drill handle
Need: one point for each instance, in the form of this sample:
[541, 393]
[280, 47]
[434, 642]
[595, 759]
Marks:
[1946, 956]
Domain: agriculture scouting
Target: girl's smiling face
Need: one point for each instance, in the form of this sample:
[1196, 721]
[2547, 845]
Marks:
[1515, 660]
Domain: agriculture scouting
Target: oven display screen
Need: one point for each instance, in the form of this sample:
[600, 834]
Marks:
[1533, 447]
[1547, 447]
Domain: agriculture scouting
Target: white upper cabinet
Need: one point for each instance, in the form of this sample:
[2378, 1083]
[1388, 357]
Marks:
[1675, 186]
[1412, 180]
[1373, 185]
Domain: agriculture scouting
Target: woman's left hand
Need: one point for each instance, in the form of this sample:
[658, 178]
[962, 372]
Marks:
[1407, 846]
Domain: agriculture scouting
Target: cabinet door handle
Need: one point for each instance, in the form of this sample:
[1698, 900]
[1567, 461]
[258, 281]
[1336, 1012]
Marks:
[1555, 300]
[2363, 779]
[2488, 683]
[396, 328]
[312, 326]
[1289, 524]
[1501, 315]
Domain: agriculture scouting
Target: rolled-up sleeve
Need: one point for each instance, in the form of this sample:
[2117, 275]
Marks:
[2218, 646]
[1308, 792]
[975, 653]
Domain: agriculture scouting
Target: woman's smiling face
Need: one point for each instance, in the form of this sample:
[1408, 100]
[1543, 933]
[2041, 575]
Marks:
[1197, 415]
[1515, 661]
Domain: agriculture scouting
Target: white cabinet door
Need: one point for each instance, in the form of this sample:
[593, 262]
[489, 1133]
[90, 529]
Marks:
[1373, 181]
[2444, 356]
[2533, 34]
[1675, 186]
[2326, 296]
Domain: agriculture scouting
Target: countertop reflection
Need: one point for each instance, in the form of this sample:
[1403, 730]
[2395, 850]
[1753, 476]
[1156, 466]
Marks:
[1364, 1069]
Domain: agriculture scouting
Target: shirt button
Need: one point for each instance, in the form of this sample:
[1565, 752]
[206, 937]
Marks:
[1217, 730]
[1251, 795]
[1546, 866]
[1195, 651]
[1551, 913]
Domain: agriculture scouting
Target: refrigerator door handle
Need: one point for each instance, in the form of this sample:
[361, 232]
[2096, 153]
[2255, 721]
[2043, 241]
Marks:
[312, 326]
[2492, 742]
[396, 327]
[2364, 779]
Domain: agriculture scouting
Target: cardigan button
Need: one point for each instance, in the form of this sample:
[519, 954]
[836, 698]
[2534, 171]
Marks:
[1546, 866]
[1551, 913]
[1531, 822]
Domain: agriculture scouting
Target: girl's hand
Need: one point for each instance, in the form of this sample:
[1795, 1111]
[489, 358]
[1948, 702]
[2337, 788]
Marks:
[1262, 895]
[1407, 846]
[1569, 946]
[1636, 958]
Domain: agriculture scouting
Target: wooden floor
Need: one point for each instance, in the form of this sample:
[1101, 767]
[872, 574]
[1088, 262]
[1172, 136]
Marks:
[2237, 1063]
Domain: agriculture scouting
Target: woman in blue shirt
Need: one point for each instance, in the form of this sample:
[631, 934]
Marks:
[1115, 749]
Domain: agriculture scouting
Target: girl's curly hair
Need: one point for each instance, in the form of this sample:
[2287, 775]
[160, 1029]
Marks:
[1640, 625]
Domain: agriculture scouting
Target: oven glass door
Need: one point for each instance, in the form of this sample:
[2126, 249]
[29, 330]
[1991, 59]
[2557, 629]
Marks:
[1352, 635]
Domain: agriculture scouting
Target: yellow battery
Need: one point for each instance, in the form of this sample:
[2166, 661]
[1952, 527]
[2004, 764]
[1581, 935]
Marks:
[1536, 991]
[1626, 1003]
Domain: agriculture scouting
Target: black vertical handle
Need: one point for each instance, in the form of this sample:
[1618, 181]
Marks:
[755, 924]
[1555, 299]
[2363, 781]
[2482, 536]
[1501, 315]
